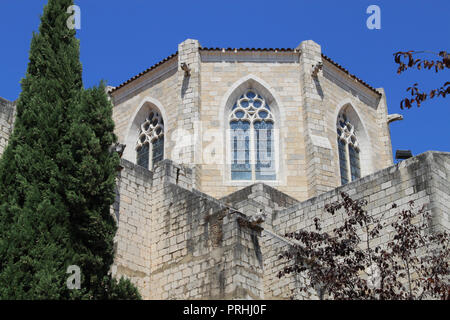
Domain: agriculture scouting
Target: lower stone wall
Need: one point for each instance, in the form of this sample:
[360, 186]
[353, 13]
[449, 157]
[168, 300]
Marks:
[132, 240]
[175, 242]
[259, 198]
[439, 181]
[206, 253]
[423, 179]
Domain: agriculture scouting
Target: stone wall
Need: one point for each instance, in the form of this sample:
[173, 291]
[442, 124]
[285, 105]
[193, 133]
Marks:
[7, 117]
[157, 89]
[425, 179]
[195, 106]
[370, 113]
[132, 212]
[185, 231]
[260, 198]
[319, 160]
[175, 242]
[275, 76]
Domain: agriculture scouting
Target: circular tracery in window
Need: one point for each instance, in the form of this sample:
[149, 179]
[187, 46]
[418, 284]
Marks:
[251, 107]
[346, 132]
[151, 129]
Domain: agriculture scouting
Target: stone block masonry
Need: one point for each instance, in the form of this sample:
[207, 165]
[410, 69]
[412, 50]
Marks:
[421, 179]
[132, 240]
[187, 229]
[176, 242]
[196, 88]
[425, 179]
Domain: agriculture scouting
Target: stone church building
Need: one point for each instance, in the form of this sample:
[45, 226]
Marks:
[226, 150]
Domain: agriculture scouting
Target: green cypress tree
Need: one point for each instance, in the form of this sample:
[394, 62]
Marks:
[89, 185]
[57, 177]
[34, 242]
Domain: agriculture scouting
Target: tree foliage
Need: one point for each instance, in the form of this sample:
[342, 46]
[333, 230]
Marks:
[346, 264]
[406, 60]
[57, 177]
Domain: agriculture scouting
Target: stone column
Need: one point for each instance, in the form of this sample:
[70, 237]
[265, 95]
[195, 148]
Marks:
[385, 133]
[188, 115]
[319, 156]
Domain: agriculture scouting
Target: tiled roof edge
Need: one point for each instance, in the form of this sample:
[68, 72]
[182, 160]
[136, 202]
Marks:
[144, 72]
[250, 49]
[351, 75]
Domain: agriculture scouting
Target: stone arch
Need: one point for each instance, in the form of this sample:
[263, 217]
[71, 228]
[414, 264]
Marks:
[241, 85]
[355, 118]
[144, 108]
[228, 100]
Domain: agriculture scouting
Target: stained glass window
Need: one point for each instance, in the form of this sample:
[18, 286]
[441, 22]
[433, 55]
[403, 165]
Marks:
[240, 148]
[142, 155]
[343, 161]
[151, 136]
[157, 150]
[348, 149]
[252, 139]
[264, 169]
[354, 162]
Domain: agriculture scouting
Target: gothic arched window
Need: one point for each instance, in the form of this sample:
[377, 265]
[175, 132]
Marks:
[150, 143]
[252, 138]
[349, 150]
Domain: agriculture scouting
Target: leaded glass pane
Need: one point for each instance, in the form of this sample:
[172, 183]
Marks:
[343, 161]
[354, 162]
[348, 149]
[250, 95]
[265, 162]
[157, 150]
[151, 131]
[251, 118]
[240, 142]
[142, 155]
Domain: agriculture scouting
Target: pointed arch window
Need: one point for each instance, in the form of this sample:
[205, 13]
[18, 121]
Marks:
[348, 149]
[150, 143]
[252, 138]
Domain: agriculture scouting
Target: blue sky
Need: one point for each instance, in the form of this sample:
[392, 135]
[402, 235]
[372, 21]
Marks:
[122, 38]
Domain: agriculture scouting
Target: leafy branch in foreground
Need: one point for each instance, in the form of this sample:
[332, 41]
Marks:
[406, 60]
[346, 263]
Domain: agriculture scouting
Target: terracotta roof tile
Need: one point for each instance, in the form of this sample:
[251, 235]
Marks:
[351, 75]
[246, 49]
[144, 72]
[250, 49]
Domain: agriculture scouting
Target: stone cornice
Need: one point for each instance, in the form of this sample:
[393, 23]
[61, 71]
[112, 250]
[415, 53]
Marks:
[349, 83]
[145, 71]
[250, 55]
[121, 94]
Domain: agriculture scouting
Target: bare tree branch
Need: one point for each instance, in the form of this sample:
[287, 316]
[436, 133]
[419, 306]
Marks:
[406, 60]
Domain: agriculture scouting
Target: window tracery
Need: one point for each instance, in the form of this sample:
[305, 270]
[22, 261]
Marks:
[252, 138]
[348, 149]
[150, 140]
